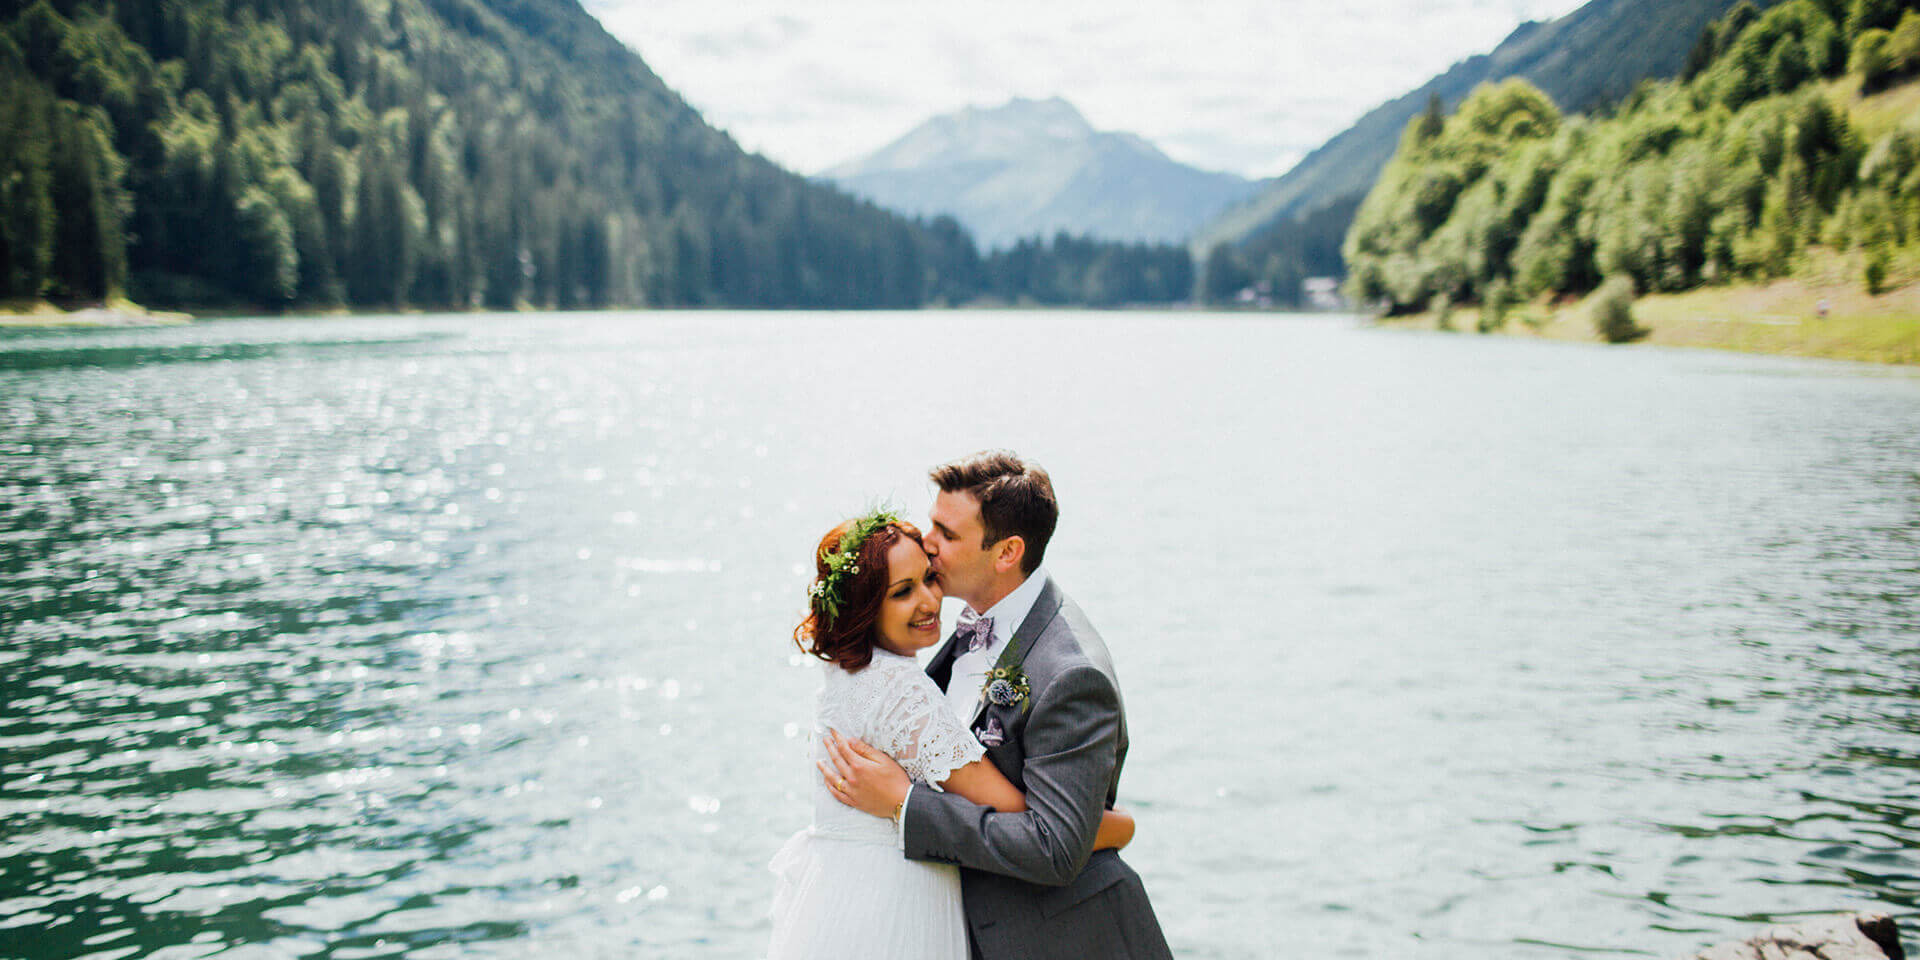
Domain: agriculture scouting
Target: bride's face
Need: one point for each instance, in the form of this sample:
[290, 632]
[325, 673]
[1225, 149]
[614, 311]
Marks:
[910, 609]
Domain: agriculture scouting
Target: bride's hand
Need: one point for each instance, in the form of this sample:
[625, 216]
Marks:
[862, 777]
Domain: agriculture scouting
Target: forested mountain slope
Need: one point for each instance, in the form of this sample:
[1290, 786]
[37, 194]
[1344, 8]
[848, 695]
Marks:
[1780, 143]
[1589, 57]
[441, 154]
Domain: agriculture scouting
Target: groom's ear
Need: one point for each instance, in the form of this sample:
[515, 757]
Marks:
[1008, 553]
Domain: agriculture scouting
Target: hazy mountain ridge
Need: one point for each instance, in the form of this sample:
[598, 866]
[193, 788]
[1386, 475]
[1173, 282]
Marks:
[1036, 168]
[1585, 59]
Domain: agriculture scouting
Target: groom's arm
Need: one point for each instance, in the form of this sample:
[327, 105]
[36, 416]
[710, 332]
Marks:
[1071, 743]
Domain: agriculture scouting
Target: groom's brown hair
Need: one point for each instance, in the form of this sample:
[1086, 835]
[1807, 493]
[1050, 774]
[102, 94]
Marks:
[1016, 498]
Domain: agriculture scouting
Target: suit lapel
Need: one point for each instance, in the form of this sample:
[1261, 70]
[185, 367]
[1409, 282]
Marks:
[940, 668]
[1045, 607]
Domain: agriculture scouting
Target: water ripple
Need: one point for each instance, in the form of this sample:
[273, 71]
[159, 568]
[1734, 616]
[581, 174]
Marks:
[425, 637]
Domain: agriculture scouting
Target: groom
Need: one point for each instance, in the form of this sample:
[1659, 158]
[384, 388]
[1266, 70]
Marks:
[1036, 684]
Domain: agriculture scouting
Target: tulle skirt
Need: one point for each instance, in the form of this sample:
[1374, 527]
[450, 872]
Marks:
[846, 899]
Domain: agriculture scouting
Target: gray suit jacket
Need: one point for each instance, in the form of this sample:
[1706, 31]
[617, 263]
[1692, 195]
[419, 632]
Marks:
[1033, 886]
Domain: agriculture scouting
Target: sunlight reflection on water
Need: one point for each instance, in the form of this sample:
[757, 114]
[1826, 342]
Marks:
[451, 636]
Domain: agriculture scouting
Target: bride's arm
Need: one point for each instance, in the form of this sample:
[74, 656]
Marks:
[1116, 830]
[984, 784]
[884, 786]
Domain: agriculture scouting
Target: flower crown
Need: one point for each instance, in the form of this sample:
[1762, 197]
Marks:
[843, 562]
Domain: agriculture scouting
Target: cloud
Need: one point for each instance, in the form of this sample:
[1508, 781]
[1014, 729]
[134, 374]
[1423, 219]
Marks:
[746, 40]
[1243, 85]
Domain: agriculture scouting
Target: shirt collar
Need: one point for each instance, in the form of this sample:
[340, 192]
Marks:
[1013, 608]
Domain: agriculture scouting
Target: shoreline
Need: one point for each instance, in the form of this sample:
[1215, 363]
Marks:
[1782, 318]
[41, 314]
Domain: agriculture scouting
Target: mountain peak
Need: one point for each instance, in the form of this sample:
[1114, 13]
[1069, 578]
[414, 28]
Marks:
[1054, 115]
[1035, 166]
[978, 135]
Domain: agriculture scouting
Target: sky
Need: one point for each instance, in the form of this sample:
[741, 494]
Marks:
[1247, 86]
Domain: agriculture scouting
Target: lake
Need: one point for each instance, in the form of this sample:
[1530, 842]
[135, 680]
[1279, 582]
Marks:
[470, 636]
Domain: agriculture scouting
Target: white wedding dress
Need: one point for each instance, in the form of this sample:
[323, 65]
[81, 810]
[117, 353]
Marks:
[844, 889]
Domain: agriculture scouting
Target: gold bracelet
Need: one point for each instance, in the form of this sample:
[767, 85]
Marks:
[901, 810]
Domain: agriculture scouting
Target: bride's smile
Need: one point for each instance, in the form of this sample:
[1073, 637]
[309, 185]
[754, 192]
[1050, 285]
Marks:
[910, 613]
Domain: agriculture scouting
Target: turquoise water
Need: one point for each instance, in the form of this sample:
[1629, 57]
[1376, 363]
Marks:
[467, 636]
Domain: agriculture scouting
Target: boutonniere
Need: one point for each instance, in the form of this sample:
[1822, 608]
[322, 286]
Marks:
[1006, 686]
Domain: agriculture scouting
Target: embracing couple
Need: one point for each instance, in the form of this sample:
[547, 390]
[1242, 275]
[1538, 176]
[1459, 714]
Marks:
[963, 811]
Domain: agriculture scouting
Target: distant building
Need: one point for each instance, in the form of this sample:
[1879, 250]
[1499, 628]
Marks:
[1259, 295]
[1323, 293]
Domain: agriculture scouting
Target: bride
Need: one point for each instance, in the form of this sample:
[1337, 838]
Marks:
[844, 890]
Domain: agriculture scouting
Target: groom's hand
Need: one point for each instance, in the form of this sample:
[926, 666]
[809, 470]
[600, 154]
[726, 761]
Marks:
[862, 777]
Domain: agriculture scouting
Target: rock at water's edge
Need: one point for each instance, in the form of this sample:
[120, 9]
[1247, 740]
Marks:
[1849, 936]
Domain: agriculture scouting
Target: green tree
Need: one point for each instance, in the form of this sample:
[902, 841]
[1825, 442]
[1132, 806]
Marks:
[1778, 237]
[1876, 270]
[89, 252]
[1612, 312]
[1225, 274]
[1737, 19]
[1432, 120]
[388, 221]
[266, 238]
[1828, 146]
[1704, 49]
[1872, 59]
[1495, 304]
[1788, 66]
[1866, 15]
[1429, 226]
[27, 213]
[1903, 45]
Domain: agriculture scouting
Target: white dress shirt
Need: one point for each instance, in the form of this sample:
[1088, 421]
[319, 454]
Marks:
[970, 667]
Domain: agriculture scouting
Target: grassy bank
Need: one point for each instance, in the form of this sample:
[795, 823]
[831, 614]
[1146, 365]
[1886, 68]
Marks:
[113, 313]
[1782, 317]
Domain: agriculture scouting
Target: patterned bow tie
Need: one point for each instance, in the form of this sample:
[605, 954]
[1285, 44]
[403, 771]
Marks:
[977, 633]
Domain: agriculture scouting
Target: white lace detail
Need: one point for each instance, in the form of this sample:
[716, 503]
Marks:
[898, 709]
[927, 738]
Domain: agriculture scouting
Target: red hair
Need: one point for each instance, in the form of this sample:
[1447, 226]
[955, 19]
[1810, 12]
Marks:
[847, 638]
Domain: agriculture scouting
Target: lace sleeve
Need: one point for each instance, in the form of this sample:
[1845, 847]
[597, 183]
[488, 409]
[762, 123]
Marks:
[918, 729]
